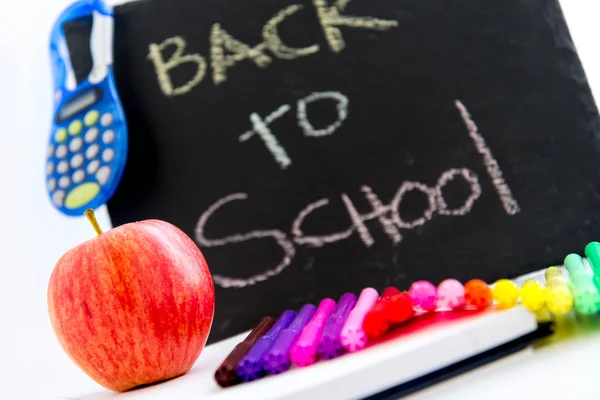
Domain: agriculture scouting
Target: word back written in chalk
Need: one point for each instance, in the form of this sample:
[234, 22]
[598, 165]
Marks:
[226, 51]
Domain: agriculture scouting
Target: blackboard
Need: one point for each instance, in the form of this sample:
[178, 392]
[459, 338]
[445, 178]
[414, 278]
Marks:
[314, 147]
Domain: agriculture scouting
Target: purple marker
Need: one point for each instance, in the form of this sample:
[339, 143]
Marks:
[251, 367]
[277, 360]
[330, 345]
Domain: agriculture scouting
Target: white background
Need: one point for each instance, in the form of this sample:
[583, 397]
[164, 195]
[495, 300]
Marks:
[33, 235]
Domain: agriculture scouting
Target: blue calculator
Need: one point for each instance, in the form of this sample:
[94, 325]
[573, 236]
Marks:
[87, 149]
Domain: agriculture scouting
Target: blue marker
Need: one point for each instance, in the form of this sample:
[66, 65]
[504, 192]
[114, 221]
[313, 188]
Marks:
[87, 149]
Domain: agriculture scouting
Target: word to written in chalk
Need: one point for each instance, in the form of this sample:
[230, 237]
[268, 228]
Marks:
[260, 126]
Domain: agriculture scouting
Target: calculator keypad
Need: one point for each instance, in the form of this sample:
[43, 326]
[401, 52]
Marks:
[79, 160]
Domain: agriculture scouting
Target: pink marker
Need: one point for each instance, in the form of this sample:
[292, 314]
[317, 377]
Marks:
[423, 295]
[353, 336]
[304, 351]
[451, 294]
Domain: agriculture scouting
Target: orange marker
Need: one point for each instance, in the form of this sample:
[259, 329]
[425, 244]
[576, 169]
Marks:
[478, 294]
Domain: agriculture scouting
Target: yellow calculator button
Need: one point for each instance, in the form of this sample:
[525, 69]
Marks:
[60, 135]
[75, 127]
[81, 195]
[91, 117]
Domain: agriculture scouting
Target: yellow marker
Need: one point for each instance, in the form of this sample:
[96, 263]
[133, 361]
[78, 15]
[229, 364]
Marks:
[560, 298]
[506, 293]
[533, 295]
[81, 195]
[75, 127]
[60, 135]
[91, 118]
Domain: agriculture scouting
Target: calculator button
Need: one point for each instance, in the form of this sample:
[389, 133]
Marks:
[51, 184]
[75, 144]
[91, 118]
[50, 168]
[64, 182]
[108, 136]
[76, 161]
[82, 195]
[103, 174]
[91, 135]
[106, 119]
[92, 151]
[62, 167]
[78, 176]
[61, 151]
[58, 197]
[107, 155]
[60, 135]
[50, 151]
[93, 167]
[75, 127]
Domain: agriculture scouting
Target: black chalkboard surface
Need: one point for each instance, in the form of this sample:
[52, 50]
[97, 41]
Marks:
[314, 147]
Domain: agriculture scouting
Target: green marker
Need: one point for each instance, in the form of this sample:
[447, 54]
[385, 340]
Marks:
[587, 296]
[592, 252]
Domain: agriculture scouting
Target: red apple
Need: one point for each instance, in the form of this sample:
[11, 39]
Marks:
[134, 305]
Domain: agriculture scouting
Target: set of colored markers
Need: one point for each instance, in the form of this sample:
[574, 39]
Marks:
[330, 330]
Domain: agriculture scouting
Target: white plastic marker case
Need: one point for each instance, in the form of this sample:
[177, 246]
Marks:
[87, 149]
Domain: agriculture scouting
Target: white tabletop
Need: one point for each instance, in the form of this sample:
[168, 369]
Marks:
[33, 236]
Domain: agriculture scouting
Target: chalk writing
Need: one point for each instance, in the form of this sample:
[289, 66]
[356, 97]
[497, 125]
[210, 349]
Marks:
[387, 215]
[163, 67]
[261, 127]
[221, 41]
[274, 42]
[280, 238]
[392, 223]
[226, 51]
[342, 109]
[388, 223]
[508, 201]
[331, 19]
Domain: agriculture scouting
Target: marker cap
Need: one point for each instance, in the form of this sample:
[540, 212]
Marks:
[353, 337]
[423, 295]
[478, 294]
[533, 295]
[329, 344]
[277, 360]
[251, 367]
[587, 296]
[451, 294]
[506, 293]
[304, 351]
[559, 299]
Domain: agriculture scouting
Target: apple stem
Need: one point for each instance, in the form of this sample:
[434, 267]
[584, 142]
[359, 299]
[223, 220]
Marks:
[89, 213]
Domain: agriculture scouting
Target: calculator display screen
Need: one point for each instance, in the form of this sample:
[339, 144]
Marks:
[78, 33]
[78, 103]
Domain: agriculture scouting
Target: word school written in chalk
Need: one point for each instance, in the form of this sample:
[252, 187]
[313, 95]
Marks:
[388, 215]
[226, 51]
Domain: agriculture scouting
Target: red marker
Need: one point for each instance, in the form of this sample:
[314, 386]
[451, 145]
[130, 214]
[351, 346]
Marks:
[399, 308]
[377, 321]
